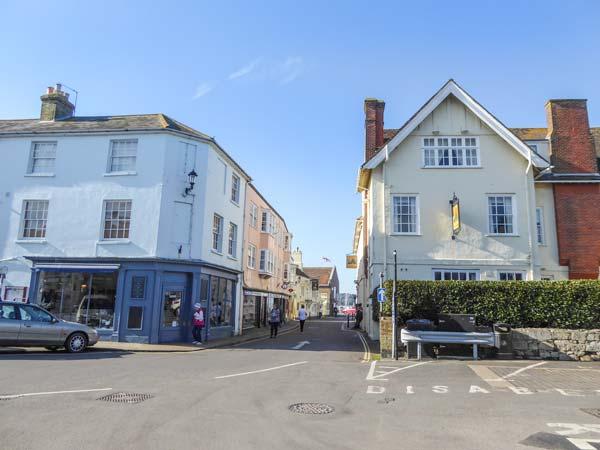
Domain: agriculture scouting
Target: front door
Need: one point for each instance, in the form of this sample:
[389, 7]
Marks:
[173, 320]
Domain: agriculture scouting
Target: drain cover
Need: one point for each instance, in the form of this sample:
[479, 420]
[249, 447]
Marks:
[125, 397]
[311, 408]
[594, 412]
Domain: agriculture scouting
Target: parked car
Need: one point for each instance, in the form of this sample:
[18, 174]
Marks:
[350, 311]
[26, 325]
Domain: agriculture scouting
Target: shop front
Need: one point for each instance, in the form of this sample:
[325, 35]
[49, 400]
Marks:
[145, 301]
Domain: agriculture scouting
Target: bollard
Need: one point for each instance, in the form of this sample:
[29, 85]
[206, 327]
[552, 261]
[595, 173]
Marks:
[347, 321]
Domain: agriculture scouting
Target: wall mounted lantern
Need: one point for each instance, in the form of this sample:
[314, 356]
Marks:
[191, 181]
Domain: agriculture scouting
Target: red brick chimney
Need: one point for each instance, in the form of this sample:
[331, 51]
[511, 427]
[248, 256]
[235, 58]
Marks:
[571, 145]
[373, 126]
[577, 217]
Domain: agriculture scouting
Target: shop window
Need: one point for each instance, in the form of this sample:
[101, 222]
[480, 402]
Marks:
[171, 309]
[221, 301]
[135, 318]
[79, 297]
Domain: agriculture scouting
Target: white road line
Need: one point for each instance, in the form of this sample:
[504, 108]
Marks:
[260, 371]
[32, 394]
[371, 375]
[523, 369]
[300, 345]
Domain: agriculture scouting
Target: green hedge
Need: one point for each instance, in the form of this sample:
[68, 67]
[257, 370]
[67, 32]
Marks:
[559, 304]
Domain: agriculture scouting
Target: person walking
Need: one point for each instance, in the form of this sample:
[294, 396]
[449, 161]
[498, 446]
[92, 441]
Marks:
[359, 316]
[302, 315]
[197, 323]
[274, 320]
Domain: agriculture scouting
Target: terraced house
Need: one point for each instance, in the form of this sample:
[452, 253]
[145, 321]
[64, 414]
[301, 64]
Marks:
[459, 196]
[121, 222]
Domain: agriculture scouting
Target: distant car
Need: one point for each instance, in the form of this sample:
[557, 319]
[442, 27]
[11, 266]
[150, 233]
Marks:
[350, 311]
[26, 325]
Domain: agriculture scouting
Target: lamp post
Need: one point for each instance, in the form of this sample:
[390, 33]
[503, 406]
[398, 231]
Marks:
[395, 310]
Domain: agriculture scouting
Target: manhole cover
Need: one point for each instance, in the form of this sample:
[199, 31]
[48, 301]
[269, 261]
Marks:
[311, 408]
[125, 397]
[594, 412]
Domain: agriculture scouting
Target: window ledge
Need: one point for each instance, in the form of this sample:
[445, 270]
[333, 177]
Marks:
[113, 241]
[216, 252]
[42, 175]
[502, 235]
[451, 167]
[31, 241]
[235, 203]
[406, 234]
[119, 174]
[233, 258]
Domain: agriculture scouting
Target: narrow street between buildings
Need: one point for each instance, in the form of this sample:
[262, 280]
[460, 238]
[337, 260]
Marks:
[313, 390]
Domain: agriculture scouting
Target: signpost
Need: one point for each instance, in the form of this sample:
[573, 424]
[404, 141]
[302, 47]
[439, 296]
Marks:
[381, 295]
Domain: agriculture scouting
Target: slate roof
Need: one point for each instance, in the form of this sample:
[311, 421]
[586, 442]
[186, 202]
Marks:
[91, 124]
[539, 134]
[300, 273]
[322, 273]
[106, 124]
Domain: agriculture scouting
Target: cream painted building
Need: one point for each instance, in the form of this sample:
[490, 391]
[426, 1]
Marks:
[454, 150]
[301, 286]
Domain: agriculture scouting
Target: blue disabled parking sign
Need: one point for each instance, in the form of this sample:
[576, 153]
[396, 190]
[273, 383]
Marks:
[381, 295]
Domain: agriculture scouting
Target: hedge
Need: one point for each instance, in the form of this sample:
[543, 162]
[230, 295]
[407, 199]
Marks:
[537, 304]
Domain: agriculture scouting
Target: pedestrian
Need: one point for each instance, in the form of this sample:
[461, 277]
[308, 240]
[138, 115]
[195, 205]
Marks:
[359, 316]
[335, 311]
[302, 315]
[197, 323]
[274, 320]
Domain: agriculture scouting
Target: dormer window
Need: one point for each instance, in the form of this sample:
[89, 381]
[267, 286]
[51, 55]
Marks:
[448, 152]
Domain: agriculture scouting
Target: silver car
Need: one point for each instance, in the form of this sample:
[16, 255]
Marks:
[26, 325]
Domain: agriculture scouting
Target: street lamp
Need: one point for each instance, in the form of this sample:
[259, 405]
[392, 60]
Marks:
[395, 310]
[191, 181]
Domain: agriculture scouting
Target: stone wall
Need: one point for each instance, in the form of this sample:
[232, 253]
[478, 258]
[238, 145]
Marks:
[385, 337]
[555, 343]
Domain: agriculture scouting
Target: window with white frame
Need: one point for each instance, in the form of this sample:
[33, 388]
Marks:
[406, 214]
[267, 225]
[539, 226]
[510, 276]
[253, 215]
[43, 156]
[455, 274]
[34, 219]
[267, 261]
[217, 241]
[286, 271]
[450, 152]
[117, 219]
[235, 188]
[123, 154]
[251, 256]
[501, 214]
[232, 241]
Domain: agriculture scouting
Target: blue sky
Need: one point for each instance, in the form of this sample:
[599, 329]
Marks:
[280, 84]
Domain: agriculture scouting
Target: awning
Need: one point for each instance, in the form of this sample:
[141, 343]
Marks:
[72, 267]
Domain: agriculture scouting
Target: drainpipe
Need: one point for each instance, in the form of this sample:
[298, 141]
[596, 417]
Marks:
[529, 233]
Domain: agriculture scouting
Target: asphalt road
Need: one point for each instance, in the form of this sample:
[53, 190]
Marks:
[239, 398]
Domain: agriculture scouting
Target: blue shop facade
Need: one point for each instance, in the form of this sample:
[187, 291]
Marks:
[139, 300]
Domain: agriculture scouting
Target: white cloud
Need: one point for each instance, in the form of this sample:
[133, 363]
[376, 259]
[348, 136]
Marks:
[244, 70]
[202, 89]
[290, 69]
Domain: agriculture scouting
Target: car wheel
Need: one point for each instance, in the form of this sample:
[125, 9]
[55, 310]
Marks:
[76, 343]
[52, 348]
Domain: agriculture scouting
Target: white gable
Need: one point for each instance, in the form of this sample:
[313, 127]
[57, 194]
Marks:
[452, 88]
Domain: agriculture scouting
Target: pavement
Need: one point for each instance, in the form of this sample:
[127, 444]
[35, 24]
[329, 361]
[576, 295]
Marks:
[240, 397]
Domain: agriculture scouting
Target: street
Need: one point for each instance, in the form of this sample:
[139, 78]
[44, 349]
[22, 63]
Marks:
[240, 397]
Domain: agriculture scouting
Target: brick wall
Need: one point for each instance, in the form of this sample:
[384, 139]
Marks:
[385, 337]
[373, 126]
